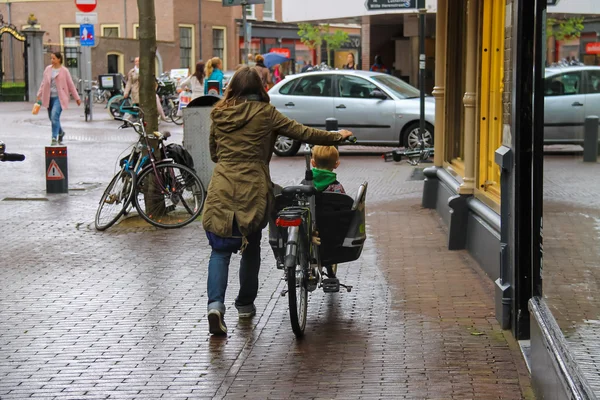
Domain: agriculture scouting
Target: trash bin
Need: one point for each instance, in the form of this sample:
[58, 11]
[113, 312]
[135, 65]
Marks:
[196, 132]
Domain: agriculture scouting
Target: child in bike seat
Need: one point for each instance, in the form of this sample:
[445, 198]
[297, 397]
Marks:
[324, 160]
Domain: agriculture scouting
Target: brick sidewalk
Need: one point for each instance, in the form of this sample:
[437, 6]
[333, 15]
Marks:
[122, 314]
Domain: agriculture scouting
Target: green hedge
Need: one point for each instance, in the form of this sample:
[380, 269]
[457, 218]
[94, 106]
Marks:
[13, 91]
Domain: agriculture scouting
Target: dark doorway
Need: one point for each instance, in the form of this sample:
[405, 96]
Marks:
[113, 63]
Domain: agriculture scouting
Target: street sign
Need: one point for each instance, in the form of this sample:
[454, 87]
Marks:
[381, 5]
[86, 18]
[86, 6]
[231, 3]
[86, 33]
[592, 48]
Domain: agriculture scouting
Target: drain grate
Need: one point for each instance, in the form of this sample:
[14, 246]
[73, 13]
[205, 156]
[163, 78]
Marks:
[417, 175]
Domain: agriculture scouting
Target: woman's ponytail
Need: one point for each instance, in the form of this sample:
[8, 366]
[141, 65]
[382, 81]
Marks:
[209, 68]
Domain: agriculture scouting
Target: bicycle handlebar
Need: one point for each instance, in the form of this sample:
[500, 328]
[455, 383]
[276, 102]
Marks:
[12, 157]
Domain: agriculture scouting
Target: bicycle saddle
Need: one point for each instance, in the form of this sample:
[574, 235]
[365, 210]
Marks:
[307, 190]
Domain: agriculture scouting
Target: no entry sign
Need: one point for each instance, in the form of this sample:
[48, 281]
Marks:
[86, 5]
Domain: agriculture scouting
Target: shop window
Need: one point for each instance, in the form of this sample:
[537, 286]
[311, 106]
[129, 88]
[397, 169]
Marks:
[353, 87]
[219, 43]
[457, 37]
[490, 107]
[269, 10]
[315, 86]
[185, 46]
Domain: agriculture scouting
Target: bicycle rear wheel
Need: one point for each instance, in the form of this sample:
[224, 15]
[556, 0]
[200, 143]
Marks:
[297, 280]
[115, 199]
[114, 106]
[171, 196]
[177, 119]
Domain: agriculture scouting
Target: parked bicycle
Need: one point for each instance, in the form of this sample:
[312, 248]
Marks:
[87, 99]
[314, 233]
[166, 194]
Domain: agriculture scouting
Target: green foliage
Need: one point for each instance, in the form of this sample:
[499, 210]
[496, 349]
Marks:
[564, 28]
[335, 41]
[310, 35]
[314, 36]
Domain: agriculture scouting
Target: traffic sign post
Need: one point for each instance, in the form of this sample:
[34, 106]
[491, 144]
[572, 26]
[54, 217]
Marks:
[57, 174]
[382, 5]
[246, 27]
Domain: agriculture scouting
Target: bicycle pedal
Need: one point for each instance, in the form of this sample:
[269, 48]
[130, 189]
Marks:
[331, 285]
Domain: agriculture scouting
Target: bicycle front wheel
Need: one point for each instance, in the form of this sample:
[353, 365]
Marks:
[115, 199]
[169, 195]
[177, 119]
[297, 280]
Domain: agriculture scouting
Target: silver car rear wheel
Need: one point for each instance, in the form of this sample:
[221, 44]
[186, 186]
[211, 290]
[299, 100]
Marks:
[284, 146]
[411, 138]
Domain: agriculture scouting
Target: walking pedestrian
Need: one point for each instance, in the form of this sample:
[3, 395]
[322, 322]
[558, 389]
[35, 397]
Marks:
[133, 83]
[214, 73]
[263, 72]
[54, 92]
[350, 63]
[240, 197]
[195, 82]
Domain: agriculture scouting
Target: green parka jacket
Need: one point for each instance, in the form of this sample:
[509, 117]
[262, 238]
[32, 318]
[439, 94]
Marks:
[242, 139]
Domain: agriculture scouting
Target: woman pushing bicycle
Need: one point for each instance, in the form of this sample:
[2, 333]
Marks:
[240, 195]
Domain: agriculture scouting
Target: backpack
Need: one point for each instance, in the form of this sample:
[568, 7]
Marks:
[180, 155]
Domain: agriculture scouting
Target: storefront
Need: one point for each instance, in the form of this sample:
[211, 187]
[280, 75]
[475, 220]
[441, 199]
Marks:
[339, 58]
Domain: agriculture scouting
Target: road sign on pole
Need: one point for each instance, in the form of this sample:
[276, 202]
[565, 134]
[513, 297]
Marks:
[86, 18]
[86, 32]
[86, 5]
[382, 5]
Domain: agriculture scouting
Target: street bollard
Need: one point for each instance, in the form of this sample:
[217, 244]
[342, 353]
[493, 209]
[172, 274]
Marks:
[331, 124]
[590, 139]
[57, 174]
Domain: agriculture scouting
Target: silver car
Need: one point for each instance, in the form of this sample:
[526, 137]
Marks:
[380, 109]
[570, 95]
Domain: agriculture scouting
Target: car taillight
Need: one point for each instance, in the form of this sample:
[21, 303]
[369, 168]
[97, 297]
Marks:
[285, 223]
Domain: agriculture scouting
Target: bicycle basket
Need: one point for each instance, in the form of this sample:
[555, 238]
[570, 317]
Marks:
[166, 88]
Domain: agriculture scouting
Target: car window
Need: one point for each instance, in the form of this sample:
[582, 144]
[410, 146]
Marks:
[400, 88]
[593, 82]
[563, 84]
[314, 85]
[286, 88]
[354, 87]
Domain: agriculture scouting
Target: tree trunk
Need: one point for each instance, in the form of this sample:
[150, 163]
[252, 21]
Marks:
[147, 38]
[147, 54]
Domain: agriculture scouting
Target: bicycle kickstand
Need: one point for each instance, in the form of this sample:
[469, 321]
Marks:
[347, 287]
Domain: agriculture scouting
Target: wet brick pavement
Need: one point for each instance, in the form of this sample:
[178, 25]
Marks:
[122, 314]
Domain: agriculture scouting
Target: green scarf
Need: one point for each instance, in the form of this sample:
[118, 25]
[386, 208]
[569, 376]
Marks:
[323, 178]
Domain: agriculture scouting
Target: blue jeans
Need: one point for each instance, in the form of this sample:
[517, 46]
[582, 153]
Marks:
[54, 112]
[218, 271]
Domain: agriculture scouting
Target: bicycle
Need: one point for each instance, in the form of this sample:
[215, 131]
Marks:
[12, 157]
[164, 193]
[87, 100]
[313, 233]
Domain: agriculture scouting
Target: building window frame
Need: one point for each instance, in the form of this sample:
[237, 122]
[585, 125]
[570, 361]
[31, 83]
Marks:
[62, 28]
[251, 14]
[192, 29]
[272, 17]
[135, 30]
[110, 26]
[224, 57]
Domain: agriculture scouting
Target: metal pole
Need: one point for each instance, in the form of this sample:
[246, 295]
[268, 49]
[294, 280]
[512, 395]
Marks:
[10, 47]
[422, 12]
[245, 28]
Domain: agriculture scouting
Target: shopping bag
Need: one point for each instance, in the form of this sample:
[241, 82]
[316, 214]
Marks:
[185, 98]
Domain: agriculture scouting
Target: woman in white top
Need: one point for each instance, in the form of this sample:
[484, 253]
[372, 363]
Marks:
[195, 82]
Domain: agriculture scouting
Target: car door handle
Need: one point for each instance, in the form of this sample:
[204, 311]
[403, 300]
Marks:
[290, 104]
[341, 106]
[577, 104]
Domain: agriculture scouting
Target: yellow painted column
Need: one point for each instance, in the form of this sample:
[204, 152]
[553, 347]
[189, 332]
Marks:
[439, 91]
[470, 100]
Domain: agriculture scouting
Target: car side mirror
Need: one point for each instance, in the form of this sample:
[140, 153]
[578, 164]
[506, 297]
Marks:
[378, 94]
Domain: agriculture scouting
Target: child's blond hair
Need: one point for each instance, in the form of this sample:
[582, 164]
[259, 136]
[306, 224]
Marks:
[326, 157]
